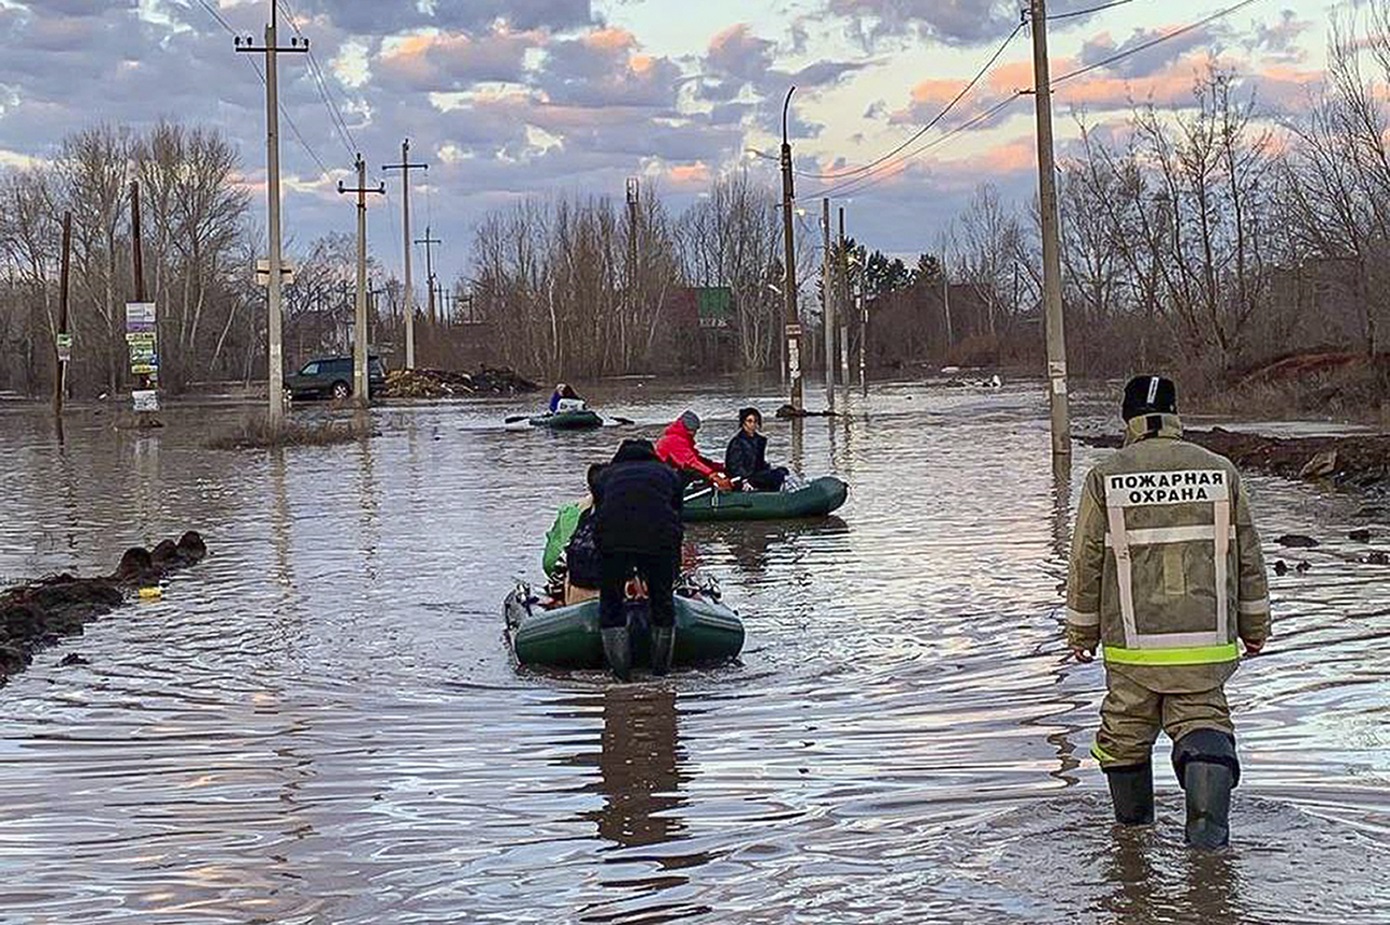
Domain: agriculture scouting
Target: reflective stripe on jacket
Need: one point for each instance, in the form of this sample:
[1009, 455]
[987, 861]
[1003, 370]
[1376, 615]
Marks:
[1166, 568]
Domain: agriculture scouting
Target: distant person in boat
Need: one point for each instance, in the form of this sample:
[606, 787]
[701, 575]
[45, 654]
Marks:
[571, 547]
[1168, 579]
[637, 513]
[746, 457]
[565, 398]
[677, 448]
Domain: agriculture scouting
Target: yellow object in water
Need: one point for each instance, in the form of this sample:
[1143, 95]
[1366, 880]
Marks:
[151, 594]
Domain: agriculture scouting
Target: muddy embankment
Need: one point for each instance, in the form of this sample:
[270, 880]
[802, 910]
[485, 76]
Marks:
[1359, 463]
[39, 613]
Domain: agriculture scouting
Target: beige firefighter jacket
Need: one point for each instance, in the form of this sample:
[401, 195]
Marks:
[1166, 569]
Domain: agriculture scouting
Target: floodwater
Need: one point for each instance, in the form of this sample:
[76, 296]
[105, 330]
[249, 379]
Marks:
[320, 723]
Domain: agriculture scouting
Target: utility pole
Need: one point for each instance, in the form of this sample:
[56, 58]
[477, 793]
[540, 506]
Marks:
[863, 336]
[429, 242]
[138, 270]
[1051, 238]
[946, 306]
[827, 305]
[62, 345]
[276, 352]
[793, 318]
[405, 167]
[844, 302]
[634, 198]
[361, 388]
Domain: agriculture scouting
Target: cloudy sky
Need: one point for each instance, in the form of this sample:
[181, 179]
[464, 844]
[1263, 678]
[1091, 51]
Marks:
[511, 98]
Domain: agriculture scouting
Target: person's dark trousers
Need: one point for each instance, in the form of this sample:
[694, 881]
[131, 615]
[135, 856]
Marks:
[768, 479]
[657, 569]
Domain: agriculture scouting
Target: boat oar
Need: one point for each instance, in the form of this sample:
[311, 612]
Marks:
[625, 422]
[517, 418]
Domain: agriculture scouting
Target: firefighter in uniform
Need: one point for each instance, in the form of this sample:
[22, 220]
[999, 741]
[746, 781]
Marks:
[1166, 573]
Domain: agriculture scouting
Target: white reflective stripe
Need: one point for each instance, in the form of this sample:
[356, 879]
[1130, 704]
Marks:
[1183, 486]
[1124, 572]
[1153, 536]
[1255, 607]
[1177, 640]
[1077, 618]
[1223, 548]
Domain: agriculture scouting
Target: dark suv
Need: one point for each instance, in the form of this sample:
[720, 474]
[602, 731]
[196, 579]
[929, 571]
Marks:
[331, 377]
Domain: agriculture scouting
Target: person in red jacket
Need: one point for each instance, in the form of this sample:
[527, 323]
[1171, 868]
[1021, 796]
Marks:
[677, 448]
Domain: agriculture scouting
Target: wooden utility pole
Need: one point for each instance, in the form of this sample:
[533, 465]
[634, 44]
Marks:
[62, 344]
[827, 304]
[361, 382]
[1051, 238]
[405, 167]
[634, 199]
[946, 307]
[276, 350]
[429, 243]
[137, 260]
[793, 317]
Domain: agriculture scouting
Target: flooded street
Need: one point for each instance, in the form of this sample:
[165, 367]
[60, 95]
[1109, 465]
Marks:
[320, 723]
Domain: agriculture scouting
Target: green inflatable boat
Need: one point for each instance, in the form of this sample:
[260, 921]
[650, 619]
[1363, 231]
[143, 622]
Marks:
[707, 632]
[818, 498]
[580, 419]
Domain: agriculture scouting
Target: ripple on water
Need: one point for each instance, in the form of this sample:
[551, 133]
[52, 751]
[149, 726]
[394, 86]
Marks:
[320, 723]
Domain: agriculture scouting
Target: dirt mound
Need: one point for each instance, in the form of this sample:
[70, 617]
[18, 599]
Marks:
[1356, 461]
[41, 612]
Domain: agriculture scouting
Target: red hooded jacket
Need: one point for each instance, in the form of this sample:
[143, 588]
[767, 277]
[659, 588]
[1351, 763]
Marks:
[677, 448]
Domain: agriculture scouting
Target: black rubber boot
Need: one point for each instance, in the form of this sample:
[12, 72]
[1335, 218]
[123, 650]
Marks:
[617, 651]
[1132, 792]
[1206, 765]
[1208, 789]
[663, 648]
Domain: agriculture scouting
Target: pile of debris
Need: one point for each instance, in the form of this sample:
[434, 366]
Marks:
[38, 614]
[440, 383]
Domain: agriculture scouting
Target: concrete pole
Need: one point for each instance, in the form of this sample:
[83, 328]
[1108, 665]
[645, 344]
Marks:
[275, 375]
[405, 167]
[361, 389]
[1051, 239]
[842, 294]
[276, 353]
[360, 386]
[827, 305]
[793, 317]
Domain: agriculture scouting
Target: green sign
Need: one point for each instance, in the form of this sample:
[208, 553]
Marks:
[716, 306]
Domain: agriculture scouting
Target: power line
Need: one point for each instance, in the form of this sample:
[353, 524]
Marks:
[217, 16]
[212, 11]
[863, 183]
[867, 168]
[1145, 46]
[1094, 9]
[321, 84]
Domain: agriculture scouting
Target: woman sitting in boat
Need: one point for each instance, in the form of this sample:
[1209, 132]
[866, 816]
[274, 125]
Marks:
[571, 548]
[677, 448]
[565, 398]
[746, 457]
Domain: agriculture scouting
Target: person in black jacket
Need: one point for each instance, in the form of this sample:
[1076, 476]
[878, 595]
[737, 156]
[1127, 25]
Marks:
[637, 517]
[746, 457]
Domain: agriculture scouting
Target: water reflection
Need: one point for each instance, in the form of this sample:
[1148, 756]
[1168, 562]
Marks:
[640, 767]
[753, 544]
[321, 722]
[1153, 882]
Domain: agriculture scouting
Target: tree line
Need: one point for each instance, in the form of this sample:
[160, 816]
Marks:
[1213, 237]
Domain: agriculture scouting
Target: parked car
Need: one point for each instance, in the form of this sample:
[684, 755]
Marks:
[331, 377]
